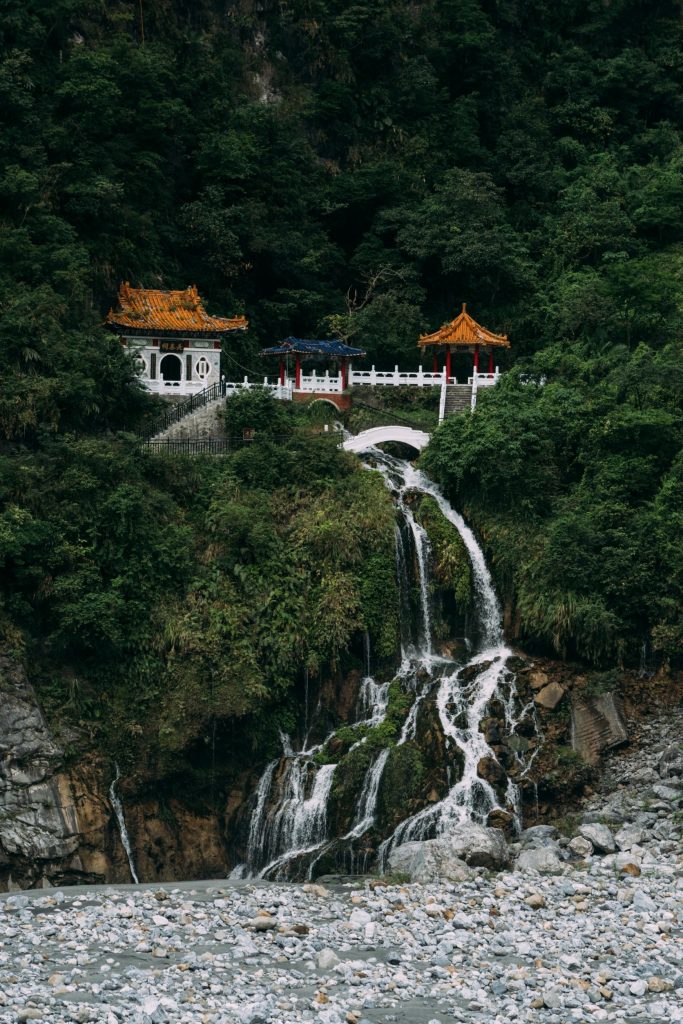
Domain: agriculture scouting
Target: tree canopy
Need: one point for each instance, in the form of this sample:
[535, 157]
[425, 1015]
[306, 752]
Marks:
[358, 170]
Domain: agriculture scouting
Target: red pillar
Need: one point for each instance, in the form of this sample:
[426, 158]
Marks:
[343, 373]
[490, 360]
[448, 362]
[476, 358]
[297, 372]
[282, 373]
[435, 361]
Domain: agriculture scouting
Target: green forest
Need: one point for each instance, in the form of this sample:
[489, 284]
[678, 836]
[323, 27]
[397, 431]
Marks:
[333, 169]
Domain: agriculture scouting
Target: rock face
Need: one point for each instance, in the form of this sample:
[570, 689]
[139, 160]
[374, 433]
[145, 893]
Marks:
[429, 861]
[597, 724]
[57, 825]
[38, 822]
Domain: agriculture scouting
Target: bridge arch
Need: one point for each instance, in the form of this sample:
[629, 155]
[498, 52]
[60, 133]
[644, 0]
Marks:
[417, 439]
[325, 401]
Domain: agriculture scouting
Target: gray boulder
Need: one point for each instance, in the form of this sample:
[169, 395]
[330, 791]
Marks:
[550, 696]
[581, 847]
[670, 763]
[628, 836]
[478, 846]
[600, 836]
[430, 861]
[539, 835]
[670, 793]
[542, 861]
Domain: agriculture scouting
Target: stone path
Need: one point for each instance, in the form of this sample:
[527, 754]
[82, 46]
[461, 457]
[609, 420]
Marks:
[595, 942]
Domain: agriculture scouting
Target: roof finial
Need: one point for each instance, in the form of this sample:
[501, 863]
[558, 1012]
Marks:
[464, 307]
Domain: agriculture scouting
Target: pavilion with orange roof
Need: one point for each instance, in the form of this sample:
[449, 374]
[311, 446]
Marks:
[175, 342]
[463, 334]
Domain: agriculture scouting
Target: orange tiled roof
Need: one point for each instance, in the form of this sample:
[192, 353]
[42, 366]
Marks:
[464, 330]
[152, 309]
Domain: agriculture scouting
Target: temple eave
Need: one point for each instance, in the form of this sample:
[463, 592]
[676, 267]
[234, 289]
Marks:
[212, 334]
[469, 343]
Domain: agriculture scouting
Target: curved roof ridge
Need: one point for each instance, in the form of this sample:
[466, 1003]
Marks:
[464, 330]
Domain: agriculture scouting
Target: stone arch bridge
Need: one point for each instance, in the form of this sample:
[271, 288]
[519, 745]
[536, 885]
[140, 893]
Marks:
[417, 439]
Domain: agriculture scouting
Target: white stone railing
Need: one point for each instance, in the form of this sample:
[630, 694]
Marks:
[482, 380]
[228, 387]
[178, 387]
[485, 380]
[327, 383]
[442, 399]
[394, 378]
[324, 384]
[279, 390]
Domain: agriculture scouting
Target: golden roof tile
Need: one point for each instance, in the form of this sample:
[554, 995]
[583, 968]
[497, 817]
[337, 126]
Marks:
[464, 330]
[151, 309]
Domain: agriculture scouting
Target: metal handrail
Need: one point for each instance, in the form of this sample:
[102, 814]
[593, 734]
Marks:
[221, 445]
[182, 409]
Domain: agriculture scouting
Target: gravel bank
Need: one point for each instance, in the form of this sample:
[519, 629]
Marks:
[602, 940]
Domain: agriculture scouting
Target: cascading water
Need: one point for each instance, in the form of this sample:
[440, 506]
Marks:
[367, 802]
[121, 822]
[288, 826]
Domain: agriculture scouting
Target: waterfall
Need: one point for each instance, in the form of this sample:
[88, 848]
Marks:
[299, 825]
[288, 827]
[258, 821]
[367, 801]
[372, 701]
[121, 821]
[421, 550]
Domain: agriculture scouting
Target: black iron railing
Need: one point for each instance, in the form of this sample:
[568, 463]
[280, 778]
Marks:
[195, 446]
[182, 409]
[223, 445]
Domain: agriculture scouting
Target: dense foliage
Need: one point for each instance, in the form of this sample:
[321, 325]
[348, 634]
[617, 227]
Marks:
[573, 472]
[331, 167]
[361, 168]
[157, 595]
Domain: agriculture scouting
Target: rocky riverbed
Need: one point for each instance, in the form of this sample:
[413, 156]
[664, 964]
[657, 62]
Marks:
[586, 926]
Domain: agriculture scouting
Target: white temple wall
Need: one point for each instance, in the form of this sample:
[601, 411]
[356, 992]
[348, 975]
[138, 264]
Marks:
[192, 365]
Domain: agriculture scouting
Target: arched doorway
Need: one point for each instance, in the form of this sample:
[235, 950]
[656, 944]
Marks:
[171, 369]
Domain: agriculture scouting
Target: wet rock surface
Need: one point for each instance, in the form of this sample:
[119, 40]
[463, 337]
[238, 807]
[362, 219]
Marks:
[38, 822]
[592, 943]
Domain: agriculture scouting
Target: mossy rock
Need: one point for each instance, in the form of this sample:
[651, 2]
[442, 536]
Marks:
[401, 783]
[346, 787]
[451, 562]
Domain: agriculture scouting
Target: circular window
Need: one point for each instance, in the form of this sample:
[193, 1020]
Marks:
[203, 368]
[140, 364]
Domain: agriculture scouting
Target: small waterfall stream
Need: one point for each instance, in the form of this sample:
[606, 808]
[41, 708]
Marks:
[115, 801]
[288, 826]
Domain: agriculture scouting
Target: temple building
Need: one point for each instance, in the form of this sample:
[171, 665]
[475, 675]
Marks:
[176, 344]
[464, 334]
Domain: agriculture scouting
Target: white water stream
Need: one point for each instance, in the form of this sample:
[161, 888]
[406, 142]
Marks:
[121, 822]
[289, 820]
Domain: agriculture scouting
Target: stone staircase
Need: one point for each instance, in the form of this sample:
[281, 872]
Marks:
[200, 424]
[458, 399]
